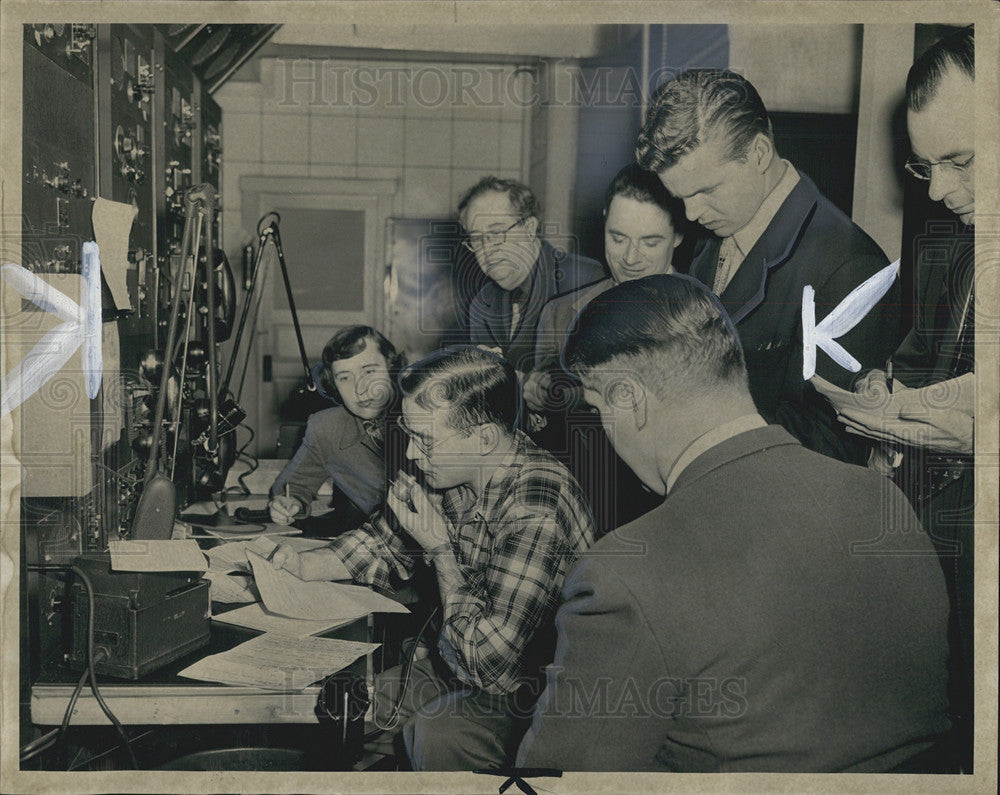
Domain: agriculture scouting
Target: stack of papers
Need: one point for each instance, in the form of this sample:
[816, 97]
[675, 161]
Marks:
[285, 594]
[278, 662]
[255, 616]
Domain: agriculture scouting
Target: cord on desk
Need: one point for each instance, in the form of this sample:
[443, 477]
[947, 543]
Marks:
[91, 663]
[393, 720]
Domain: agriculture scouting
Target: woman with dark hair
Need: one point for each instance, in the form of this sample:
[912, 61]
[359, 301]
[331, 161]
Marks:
[346, 443]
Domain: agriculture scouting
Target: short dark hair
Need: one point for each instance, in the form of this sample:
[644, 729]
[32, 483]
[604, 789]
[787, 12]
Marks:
[348, 342]
[476, 386]
[674, 333]
[522, 199]
[635, 182]
[696, 104]
[957, 49]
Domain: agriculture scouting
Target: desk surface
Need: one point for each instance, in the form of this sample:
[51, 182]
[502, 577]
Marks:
[163, 697]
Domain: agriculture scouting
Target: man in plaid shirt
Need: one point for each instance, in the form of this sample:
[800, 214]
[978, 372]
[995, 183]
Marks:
[501, 522]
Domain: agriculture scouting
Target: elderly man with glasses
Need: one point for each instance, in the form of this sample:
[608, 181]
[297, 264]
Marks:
[923, 410]
[501, 521]
[501, 218]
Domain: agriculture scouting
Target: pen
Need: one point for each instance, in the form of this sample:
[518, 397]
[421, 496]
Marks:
[270, 555]
[888, 375]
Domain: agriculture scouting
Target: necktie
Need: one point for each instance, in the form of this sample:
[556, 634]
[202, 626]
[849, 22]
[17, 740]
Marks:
[375, 430]
[727, 265]
[517, 298]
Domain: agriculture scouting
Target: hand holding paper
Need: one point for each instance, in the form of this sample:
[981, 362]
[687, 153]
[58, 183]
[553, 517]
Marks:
[938, 417]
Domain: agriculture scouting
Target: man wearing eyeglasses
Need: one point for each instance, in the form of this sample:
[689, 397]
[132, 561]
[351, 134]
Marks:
[709, 138]
[923, 412]
[501, 218]
[500, 521]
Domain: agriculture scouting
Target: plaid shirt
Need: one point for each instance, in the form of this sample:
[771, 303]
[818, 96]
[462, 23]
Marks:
[513, 544]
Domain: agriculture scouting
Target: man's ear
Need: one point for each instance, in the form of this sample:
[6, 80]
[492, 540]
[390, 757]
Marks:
[489, 438]
[762, 152]
[640, 405]
[531, 226]
[626, 393]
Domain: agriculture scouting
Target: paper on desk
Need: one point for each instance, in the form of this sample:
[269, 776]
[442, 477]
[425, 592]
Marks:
[230, 588]
[284, 593]
[157, 556]
[232, 556]
[278, 662]
[871, 402]
[255, 616]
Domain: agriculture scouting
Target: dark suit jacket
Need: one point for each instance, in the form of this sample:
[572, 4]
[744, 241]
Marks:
[939, 346]
[557, 317]
[490, 312]
[780, 611]
[809, 242]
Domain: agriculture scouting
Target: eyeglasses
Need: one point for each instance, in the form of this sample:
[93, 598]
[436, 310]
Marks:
[418, 442]
[488, 238]
[921, 169]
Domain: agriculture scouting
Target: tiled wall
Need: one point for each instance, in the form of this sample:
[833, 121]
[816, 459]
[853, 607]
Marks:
[434, 127]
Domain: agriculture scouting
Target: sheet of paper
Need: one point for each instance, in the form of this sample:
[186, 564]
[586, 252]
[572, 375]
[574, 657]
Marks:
[157, 556]
[278, 662]
[112, 225]
[233, 556]
[284, 593]
[255, 616]
[231, 588]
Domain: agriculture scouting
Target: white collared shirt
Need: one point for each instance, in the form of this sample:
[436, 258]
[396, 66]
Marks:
[735, 248]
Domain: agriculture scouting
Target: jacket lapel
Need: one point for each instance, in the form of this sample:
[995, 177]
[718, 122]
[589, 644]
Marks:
[353, 433]
[746, 290]
[497, 314]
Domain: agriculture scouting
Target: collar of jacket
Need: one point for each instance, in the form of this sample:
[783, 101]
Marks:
[748, 286]
[728, 450]
[355, 433]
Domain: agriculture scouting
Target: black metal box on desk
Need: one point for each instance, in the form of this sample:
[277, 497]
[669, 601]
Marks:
[143, 619]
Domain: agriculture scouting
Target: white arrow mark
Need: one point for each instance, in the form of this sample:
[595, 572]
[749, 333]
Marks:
[81, 327]
[845, 316]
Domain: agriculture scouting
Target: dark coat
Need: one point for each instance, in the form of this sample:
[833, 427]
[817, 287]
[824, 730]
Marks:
[809, 242]
[490, 312]
[780, 611]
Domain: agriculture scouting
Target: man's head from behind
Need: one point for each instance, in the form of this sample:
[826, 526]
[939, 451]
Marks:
[500, 217]
[357, 368]
[709, 138]
[460, 405]
[643, 224]
[941, 105]
[652, 354]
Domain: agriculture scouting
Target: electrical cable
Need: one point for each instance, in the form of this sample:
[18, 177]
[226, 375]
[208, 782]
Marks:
[91, 664]
[69, 712]
[37, 746]
[393, 720]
